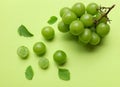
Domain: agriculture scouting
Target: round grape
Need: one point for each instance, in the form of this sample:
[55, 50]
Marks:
[102, 29]
[48, 33]
[87, 20]
[95, 39]
[78, 9]
[92, 8]
[39, 48]
[63, 27]
[68, 17]
[60, 57]
[76, 27]
[86, 36]
[64, 10]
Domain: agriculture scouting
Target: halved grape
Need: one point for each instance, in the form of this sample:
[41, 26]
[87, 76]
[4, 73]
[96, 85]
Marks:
[86, 36]
[78, 9]
[76, 27]
[43, 63]
[102, 29]
[23, 52]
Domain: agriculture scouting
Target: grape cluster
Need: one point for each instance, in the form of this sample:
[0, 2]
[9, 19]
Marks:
[88, 23]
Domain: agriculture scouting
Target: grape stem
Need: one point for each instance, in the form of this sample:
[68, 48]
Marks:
[105, 14]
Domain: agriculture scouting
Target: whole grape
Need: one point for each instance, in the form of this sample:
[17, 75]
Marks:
[95, 39]
[87, 20]
[78, 9]
[86, 36]
[62, 27]
[64, 10]
[60, 57]
[76, 27]
[102, 29]
[48, 33]
[39, 48]
[68, 17]
[92, 8]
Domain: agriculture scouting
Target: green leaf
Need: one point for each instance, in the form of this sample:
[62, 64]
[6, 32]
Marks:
[22, 30]
[64, 74]
[29, 72]
[52, 20]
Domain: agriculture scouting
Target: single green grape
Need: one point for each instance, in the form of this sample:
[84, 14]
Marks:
[43, 63]
[78, 9]
[64, 10]
[86, 36]
[39, 48]
[102, 29]
[76, 27]
[62, 27]
[48, 33]
[23, 52]
[92, 8]
[60, 57]
[68, 17]
[87, 20]
[95, 39]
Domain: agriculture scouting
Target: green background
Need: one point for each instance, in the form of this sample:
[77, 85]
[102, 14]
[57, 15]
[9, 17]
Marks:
[99, 67]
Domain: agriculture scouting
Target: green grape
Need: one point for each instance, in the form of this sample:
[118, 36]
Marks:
[48, 33]
[63, 27]
[23, 52]
[92, 8]
[87, 20]
[78, 9]
[39, 48]
[102, 29]
[95, 39]
[43, 63]
[76, 27]
[86, 36]
[60, 57]
[98, 15]
[68, 17]
[64, 10]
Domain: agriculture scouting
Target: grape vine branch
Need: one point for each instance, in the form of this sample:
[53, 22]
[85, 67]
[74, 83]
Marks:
[106, 12]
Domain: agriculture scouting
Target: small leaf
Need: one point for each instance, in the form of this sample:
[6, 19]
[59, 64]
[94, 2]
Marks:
[64, 74]
[29, 73]
[52, 20]
[22, 30]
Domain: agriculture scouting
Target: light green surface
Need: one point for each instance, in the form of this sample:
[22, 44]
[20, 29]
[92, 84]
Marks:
[89, 68]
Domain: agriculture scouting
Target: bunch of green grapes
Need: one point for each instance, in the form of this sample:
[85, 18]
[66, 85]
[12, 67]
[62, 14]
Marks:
[88, 23]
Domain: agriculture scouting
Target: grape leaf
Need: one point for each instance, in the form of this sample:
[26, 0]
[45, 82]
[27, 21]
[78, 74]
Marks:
[52, 20]
[22, 30]
[29, 72]
[64, 74]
